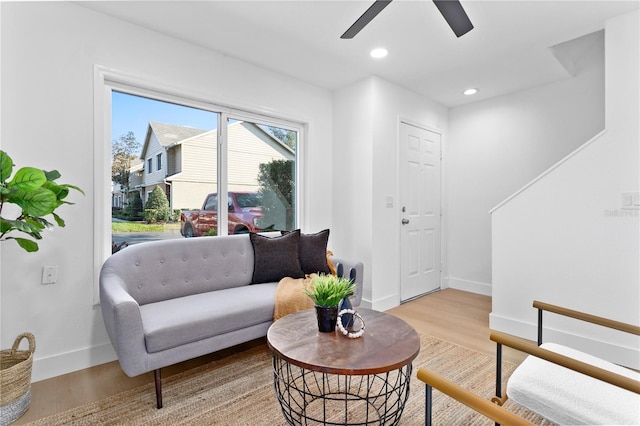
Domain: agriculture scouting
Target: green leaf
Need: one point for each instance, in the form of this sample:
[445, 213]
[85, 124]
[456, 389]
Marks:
[5, 225]
[39, 220]
[58, 220]
[52, 175]
[37, 223]
[27, 179]
[24, 226]
[60, 190]
[66, 185]
[37, 202]
[6, 167]
[28, 245]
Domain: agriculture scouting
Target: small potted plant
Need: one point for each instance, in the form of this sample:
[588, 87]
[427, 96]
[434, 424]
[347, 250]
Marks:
[327, 291]
[37, 195]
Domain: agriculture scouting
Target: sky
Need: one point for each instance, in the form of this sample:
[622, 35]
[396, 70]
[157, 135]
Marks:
[133, 113]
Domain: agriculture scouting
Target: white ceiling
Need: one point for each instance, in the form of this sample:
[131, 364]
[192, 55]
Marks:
[508, 50]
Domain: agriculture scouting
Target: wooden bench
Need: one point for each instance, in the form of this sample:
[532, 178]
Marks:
[567, 386]
[559, 383]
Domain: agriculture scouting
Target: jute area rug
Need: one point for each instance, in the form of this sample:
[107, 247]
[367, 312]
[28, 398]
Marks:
[238, 390]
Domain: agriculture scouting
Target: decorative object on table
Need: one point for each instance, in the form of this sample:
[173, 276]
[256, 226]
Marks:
[327, 318]
[348, 331]
[15, 379]
[37, 195]
[347, 318]
[326, 292]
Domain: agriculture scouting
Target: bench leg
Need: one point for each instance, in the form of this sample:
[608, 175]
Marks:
[428, 412]
[158, 379]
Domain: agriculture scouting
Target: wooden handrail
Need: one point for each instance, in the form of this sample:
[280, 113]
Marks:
[605, 322]
[482, 406]
[565, 361]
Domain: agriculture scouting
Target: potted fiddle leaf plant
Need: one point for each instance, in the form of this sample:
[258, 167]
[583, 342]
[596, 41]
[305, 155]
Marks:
[327, 291]
[36, 194]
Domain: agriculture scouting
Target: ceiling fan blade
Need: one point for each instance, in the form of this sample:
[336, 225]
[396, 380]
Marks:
[455, 16]
[366, 17]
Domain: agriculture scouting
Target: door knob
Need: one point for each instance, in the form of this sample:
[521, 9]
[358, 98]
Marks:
[405, 221]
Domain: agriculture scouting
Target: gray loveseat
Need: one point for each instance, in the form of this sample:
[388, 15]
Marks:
[168, 301]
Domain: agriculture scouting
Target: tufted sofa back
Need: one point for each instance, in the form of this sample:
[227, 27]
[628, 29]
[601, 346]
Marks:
[168, 269]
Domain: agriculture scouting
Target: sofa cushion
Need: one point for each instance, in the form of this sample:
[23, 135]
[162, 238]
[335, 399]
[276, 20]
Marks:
[275, 257]
[183, 320]
[312, 252]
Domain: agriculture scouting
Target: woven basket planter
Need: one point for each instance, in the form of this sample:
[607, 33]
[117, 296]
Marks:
[15, 379]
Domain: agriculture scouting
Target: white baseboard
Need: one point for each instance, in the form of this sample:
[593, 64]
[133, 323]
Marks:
[612, 352]
[364, 303]
[470, 286]
[57, 365]
[386, 303]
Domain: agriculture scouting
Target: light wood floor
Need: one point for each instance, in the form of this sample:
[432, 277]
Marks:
[457, 316]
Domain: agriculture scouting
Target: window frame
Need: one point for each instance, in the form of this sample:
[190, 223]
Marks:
[107, 80]
[159, 162]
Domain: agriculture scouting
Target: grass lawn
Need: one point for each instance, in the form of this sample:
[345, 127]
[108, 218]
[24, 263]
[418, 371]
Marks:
[143, 227]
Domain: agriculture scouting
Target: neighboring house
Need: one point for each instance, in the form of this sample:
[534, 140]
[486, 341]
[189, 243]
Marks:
[119, 196]
[183, 160]
[159, 139]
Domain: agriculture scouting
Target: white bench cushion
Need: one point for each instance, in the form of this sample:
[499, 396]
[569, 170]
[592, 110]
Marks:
[566, 397]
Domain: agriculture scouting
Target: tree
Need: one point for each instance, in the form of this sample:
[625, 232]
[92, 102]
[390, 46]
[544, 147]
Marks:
[122, 152]
[136, 206]
[287, 137]
[157, 207]
[276, 186]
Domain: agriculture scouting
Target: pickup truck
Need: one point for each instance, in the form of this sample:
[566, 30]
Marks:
[244, 213]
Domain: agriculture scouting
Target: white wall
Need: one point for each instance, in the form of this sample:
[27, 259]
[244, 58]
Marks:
[49, 50]
[566, 240]
[366, 125]
[498, 145]
[352, 171]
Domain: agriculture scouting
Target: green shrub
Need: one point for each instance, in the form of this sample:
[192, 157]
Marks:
[136, 209]
[157, 207]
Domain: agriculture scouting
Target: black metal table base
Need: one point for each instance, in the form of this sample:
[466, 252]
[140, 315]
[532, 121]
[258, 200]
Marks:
[313, 398]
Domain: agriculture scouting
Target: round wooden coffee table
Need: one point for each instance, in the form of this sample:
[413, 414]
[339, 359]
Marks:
[328, 378]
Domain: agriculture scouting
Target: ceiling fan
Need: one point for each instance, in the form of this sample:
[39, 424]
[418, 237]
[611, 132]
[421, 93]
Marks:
[451, 10]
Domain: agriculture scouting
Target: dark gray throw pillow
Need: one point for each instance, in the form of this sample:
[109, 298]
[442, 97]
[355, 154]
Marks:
[312, 252]
[275, 257]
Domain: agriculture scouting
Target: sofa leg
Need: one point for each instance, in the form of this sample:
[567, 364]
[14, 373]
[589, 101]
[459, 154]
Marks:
[158, 380]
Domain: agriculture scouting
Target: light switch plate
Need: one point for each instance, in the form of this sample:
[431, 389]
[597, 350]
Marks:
[49, 274]
[631, 200]
[389, 201]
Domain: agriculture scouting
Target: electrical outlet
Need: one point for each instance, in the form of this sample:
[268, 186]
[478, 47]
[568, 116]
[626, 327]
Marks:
[49, 274]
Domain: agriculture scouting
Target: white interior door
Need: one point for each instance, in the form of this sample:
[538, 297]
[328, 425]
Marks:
[420, 211]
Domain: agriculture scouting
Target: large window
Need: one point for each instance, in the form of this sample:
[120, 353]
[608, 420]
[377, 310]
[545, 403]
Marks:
[198, 152]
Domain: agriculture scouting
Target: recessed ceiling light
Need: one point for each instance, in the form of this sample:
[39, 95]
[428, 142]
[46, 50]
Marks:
[380, 52]
[470, 92]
